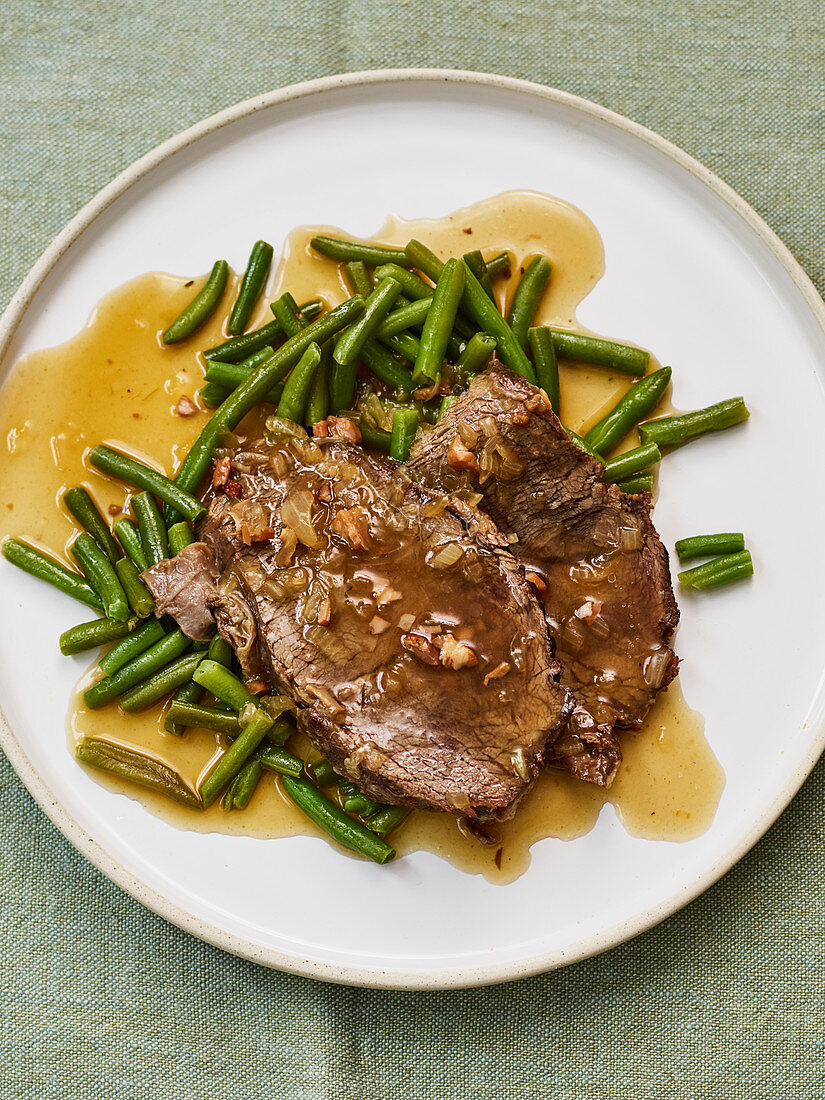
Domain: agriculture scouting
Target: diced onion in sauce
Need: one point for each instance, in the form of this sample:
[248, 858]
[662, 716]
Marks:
[630, 538]
[296, 512]
[277, 426]
[445, 555]
[656, 667]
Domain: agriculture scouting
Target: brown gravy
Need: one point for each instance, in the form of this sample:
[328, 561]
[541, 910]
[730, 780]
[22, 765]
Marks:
[115, 382]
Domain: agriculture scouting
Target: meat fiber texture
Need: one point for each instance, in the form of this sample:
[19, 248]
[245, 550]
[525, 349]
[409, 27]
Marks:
[396, 618]
[590, 548]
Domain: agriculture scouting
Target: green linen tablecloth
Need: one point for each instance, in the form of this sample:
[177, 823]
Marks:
[101, 998]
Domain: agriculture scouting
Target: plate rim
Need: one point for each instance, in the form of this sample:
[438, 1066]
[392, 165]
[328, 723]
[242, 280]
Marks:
[457, 977]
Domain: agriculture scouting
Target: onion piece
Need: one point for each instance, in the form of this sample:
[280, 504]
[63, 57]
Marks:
[296, 512]
[445, 555]
[279, 426]
[630, 538]
[655, 668]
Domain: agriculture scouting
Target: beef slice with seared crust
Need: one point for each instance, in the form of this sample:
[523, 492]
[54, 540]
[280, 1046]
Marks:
[608, 599]
[398, 621]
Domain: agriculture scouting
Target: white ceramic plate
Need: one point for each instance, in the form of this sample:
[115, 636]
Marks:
[701, 280]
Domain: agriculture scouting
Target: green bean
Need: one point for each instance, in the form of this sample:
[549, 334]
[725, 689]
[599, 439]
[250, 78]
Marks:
[425, 259]
[296, 389]
[135, 643]
[137, 767]
[354, 801]
[545, 363]
[148, 662]
[475, 356]
[240, 790]
[438, 323]
[403, 344]
[639, 483]
[138, 473]
[85, 511]
[152, 529]
[405, 422]
[447, 401]
[384, 367]
[230, 375]
[414, 288]
[255, 386]
[626, 414]
[670, 430]
[140, 598]
[202, 306]
[221, 651]
[240, 347]
[179, 537]
[47, 569]
[88, 635]
[230, 763]
[188, 693]
[342, 386]
[310, 310]
[456, 345]
[183, 713]
[285, 311]
[282, 729]
[160, 683]
[130, 540]
[387, 819]
[252, 284]
[343, 251]
[527, 297]
[580, 443]
[377, 306]
[412, 285]
[101, 575]
[375, 437]
[317, 406]
[698, 546]
[224, 685]
[487, 317]
[323, 773]
[139, 638]
[279, 760]
[358, 278]
[335, 822]
[600, 353]
[407, 316]
[631, 462]
[248, 365]
[718, 571]
[475, 262]
[211, 394]
[498, 265]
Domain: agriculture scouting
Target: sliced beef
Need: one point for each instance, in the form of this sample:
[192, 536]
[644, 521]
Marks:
[183, 586]
[399, 622]
[590, 548]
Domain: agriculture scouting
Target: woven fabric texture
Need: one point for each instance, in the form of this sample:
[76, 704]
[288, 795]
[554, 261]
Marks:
[102, 998]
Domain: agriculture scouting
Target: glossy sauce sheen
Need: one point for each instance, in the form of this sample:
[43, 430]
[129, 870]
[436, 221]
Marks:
[115, 382]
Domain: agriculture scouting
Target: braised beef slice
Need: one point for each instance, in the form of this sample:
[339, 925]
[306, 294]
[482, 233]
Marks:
[183, 587]
[417, 653]
[608, 597]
